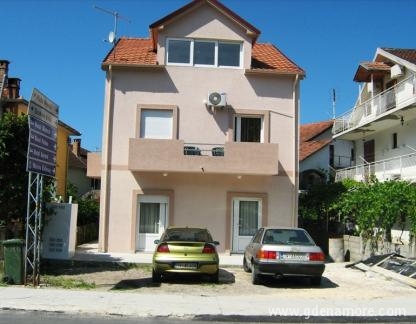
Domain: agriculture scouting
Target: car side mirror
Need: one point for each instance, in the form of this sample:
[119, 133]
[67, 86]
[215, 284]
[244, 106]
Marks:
[216, 243]
[156, 241]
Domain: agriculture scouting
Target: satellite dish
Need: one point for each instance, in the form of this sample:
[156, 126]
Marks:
[111, 37]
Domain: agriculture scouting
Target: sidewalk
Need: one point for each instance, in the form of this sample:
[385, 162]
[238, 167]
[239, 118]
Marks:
[89, 252]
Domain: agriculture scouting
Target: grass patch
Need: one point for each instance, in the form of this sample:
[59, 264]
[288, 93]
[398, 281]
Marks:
[67, 283]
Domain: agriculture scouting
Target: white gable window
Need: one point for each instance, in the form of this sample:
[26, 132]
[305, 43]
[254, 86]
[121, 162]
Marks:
[209, 53]
[156, 123]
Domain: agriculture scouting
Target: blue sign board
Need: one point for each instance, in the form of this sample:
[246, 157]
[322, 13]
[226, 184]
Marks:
[43, 121]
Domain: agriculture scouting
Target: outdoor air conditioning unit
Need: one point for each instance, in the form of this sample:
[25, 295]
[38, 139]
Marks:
[396, 71]
[217, 99]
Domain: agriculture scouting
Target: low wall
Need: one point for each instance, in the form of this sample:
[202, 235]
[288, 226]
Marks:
[87, 233]
[354, 249]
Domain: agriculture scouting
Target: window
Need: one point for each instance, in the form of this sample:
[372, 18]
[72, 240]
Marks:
[229, 54]
[394, 138]
[331, 155]
[248, 129]
[156, 123]
[179, 51]
[203, 53]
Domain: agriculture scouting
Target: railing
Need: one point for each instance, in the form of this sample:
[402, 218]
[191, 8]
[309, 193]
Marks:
[398, 96]
[341, 161]
[203, 149]
[400, 167]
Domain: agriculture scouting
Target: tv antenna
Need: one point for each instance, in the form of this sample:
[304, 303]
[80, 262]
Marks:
[112, 36]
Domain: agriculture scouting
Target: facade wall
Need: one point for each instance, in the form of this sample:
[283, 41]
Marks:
[196, 199]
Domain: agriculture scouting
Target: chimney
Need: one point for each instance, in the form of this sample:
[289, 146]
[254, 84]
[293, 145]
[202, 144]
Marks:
[76, 146]
[14, 88]
[4, 70]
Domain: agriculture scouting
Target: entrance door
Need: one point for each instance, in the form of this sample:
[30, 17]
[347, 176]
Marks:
[246, 220]
[152, 215]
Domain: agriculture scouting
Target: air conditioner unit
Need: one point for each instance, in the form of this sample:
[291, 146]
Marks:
[396, 71]
[217, 99]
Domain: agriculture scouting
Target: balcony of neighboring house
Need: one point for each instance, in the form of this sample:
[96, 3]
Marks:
[163, 155]
[394, 105]
[400, 167]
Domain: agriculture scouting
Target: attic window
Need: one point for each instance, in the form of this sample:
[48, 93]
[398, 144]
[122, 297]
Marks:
[203, 53]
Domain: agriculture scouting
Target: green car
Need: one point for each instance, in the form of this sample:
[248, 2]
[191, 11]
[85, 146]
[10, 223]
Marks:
[185, 250]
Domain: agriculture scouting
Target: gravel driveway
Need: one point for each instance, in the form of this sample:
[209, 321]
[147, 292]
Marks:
[338, 281]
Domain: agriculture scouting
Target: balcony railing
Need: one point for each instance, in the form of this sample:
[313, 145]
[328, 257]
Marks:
[400, 167]
[401, 95]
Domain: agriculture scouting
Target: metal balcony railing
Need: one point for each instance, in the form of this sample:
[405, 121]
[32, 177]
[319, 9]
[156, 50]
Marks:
[400, 167]
[400, 96]
[203, 149]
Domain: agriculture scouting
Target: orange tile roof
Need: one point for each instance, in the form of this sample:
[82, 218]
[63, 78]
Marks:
[139, 51]
[267, 57]
[308, 148]
[408, 54]
[308, 133]
[135, 51]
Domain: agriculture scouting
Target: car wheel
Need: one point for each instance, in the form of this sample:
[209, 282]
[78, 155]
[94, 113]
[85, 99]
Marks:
[255, 277]
[316, 281]
[215, 277]
[156, 277]
[246, 268]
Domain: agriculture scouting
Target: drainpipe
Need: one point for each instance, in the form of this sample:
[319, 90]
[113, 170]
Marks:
[296, 153]
[106, 164]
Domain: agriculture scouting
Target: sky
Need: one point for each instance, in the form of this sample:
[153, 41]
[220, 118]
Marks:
[57, 46]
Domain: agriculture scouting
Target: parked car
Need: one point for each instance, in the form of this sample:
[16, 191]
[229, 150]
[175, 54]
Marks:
[185, 250]
[280, 252]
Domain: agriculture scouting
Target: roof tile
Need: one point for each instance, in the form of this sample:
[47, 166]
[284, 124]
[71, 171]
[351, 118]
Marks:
[408, 54]
[139, 51]
[308, 133]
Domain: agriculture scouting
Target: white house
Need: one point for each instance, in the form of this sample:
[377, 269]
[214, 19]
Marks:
[382, 124]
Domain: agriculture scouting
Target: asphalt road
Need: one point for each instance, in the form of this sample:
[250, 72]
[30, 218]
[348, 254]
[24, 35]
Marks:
[30, 317]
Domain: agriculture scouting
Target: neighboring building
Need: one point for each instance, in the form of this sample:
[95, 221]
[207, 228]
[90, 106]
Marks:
[11, 101]
[320, 155]
[77, 168]
[200, 129]
[382, 124]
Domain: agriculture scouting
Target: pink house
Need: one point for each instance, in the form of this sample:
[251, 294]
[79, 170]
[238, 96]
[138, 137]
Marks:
[200, 129]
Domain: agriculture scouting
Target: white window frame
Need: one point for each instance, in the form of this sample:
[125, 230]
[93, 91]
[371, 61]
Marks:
[237, 126]
[191, 54]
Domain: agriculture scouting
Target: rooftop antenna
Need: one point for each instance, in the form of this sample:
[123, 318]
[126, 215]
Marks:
[112, 36]
[333, 103]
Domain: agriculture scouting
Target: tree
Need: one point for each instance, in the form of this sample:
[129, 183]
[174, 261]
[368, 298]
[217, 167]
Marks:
[14, 134]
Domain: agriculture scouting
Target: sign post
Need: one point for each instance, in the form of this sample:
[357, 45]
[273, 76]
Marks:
[41, 161]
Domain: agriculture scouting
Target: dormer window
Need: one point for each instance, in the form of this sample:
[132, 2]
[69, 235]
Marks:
[204, 53]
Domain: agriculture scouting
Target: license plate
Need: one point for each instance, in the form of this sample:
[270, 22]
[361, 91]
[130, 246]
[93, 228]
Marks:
[294, 256]
[185, 266]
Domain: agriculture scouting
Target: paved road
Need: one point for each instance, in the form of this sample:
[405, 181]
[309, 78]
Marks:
[25, 317]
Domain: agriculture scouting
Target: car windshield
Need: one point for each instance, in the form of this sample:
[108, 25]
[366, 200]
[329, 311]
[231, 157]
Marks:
[187, 235]
[287, 236]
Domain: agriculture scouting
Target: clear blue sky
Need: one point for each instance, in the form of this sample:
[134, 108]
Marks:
[57, 46]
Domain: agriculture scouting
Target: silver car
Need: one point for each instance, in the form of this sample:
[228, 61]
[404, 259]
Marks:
[283, 251]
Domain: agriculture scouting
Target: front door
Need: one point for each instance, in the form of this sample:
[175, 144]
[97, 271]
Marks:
[152, 215]
[246, 221]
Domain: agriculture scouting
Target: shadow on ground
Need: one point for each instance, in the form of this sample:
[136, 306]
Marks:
[225, 278]
[297, 283]
[71, 267]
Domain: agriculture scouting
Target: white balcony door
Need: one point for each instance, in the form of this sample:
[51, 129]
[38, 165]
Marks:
[152, 216]
[246, 220]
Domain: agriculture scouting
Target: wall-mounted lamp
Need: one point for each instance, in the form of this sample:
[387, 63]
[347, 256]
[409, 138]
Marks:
[165, 174]
[401, 120]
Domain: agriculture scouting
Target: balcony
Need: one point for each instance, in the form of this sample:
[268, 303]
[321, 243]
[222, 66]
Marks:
[153, 155]
[377, 112]
[400, 167]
